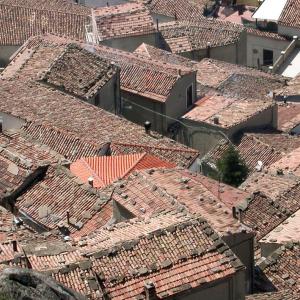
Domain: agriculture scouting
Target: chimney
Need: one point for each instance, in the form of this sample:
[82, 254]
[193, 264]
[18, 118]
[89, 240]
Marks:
[208, 49]
[147, 126]
[216, 120]
[150, 292]
[68, 217]
[179, 73]
[234, 212]
[15, 246]
[91, 181]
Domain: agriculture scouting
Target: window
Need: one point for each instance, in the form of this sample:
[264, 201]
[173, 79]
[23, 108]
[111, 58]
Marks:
[189, 96]
[267, 57]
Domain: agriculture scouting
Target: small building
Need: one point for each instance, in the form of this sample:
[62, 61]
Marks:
[152, 90]
[264, 48]
[207, 37]
[217, 117]
[69, 68]
[122, 26]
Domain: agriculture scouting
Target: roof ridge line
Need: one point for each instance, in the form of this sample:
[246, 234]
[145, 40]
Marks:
[142, 155]
[83, 159]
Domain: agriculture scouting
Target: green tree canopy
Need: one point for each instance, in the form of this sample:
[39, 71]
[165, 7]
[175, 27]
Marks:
[232, 168]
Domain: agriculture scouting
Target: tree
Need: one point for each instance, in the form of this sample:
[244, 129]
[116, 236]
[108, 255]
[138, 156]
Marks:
[232, 168]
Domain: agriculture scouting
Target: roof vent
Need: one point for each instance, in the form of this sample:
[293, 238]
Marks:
[216, 120]
[91, 181]
[150, 292]
[279, 172]
[15, 246]
[147, 126]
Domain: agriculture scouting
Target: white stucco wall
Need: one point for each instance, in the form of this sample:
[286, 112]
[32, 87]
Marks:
[256, 45]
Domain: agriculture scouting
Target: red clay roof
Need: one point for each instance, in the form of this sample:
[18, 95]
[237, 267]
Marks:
[106, 169]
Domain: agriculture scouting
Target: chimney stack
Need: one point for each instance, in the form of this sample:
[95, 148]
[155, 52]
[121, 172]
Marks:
[68, 217]
[15, 246]
[91, 181]
[208, 49]
[179, 73]
[147, 126]
[150, 292]
[216, 120]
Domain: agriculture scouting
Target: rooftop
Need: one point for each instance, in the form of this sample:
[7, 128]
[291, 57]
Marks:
[286, 232]
[162, 266]
[281, 268]
[183, 36]
[21, 20]
[180, 9]
[219, 75]
[263, 214]
[106, 169]
[150, 191]
[290, 14]
[289, 163]
[281, 295]
[271, 185]
[74, 122]
[229, 111]
[266, 209]
[253, 147]
[59, 200]
[68, 67]
[292, 87]
[128, 19]
[288, 116]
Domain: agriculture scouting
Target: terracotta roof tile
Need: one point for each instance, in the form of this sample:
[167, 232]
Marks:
[265, 34]
[21, 20]
[166, 263]
[128, 19]
[222, 76]
[281, 268]
[180, 9]
[292, 87]
[67, 67]
[285, 232]
[184, 36]
[229, 111]
[269, 184]
[75, 123]
[264, 213]
[48, 201]
[107, 169]
[288, 116]
[253, 147]
[290, 14]
[281, 295]
[154, 190]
